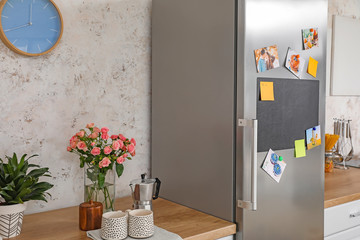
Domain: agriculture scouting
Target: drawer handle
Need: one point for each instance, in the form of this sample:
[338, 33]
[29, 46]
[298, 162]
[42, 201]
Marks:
[352, 215]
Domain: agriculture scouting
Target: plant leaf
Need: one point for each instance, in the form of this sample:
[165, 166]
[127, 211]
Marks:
[119, 169]
[101, 179]
[40, 197]
[33, 165]
[38, 172]
[42, 186]
[35, 155]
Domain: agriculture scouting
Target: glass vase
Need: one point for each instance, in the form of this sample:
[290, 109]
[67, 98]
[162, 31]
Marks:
[97, 193]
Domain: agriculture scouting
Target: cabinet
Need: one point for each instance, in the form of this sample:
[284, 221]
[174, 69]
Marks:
[342, 222]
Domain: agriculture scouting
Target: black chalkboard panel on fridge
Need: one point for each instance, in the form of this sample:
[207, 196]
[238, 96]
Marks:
[284, 120]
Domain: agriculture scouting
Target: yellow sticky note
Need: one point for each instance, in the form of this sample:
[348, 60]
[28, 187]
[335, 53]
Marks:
[300, 150]
[267, 91]
[312, 67]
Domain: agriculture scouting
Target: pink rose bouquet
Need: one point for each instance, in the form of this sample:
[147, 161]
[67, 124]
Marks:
[101, 152]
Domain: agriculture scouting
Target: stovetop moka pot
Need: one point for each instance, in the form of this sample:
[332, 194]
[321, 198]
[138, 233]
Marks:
[144, 191]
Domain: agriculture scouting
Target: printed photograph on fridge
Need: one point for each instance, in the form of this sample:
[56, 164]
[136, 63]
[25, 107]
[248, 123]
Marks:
[266, 58]
[310, 38]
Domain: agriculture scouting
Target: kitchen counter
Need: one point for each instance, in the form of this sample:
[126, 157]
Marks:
[63, 224]
[341, 186]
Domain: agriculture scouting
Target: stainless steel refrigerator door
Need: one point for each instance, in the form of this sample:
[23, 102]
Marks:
[293, 208]
[193, 103]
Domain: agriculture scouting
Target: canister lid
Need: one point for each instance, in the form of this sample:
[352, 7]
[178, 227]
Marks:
[90, 204]
[142, 181]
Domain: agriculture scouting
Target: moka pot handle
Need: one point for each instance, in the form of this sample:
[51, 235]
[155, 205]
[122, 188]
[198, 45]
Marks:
[157, 188]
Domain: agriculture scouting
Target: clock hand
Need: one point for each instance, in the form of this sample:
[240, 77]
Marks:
[25, 25]
[30, 22]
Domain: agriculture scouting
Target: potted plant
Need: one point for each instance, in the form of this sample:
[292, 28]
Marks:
[19, 183]
[102, 155]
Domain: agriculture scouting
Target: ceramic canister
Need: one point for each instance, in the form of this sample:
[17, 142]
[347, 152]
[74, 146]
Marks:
[114, 225]
[141, 223]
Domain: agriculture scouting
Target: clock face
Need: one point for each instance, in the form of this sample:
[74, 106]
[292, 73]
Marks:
[30, 27]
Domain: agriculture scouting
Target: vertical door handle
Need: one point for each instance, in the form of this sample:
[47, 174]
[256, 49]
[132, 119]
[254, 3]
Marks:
[252, 205]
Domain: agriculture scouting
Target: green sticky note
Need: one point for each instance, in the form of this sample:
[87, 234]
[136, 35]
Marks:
[300, 150]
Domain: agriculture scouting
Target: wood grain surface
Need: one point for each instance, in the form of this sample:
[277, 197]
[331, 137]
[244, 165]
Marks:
[341, 186]
[190, 224]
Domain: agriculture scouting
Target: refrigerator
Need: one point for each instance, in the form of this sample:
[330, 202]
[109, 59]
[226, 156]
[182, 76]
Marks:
[205, 96]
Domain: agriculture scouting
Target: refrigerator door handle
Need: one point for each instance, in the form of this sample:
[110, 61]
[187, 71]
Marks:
[252, 205]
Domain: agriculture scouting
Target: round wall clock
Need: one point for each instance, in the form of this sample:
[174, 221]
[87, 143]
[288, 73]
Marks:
[30, 27]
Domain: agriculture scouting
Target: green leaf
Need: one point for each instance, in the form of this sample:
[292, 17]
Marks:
[35, 155]
[24, 192]
[5, 195]
[9, 169]
[8, 188]
[14, 161]
[33, 165]
[38, 172]
[101, 179]
[119, 169]
[21, 164]
[43, 186]
[37, 197]
[16, 201]
[27, 183]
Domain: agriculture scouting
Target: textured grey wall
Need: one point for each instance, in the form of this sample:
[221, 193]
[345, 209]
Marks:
[344, 106]
[100, 72]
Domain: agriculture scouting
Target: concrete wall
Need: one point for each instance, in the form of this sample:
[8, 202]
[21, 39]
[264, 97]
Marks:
[343, 106]
[100, 72]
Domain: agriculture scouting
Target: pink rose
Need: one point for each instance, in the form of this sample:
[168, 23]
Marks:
[95, 151]
[114, 137]
[131, 149]
[90, 125]
[73, 144]
[81, 133]
[122, 138]
[97, 130]
[120, 160]
[121, 144]
[116, 145]
[104, 130]
[81, 145]
[124, 155]
[133, 141]
[92, 144]
[104, 163]
[94, 135]
[105, 136]
[107, 150]
[74, 139]
[69, 149]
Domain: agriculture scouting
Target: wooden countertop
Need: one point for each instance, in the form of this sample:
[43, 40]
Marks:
[190, 224]
[341, 186]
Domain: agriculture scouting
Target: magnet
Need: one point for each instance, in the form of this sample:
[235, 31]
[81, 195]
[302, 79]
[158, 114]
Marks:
[277, 169]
